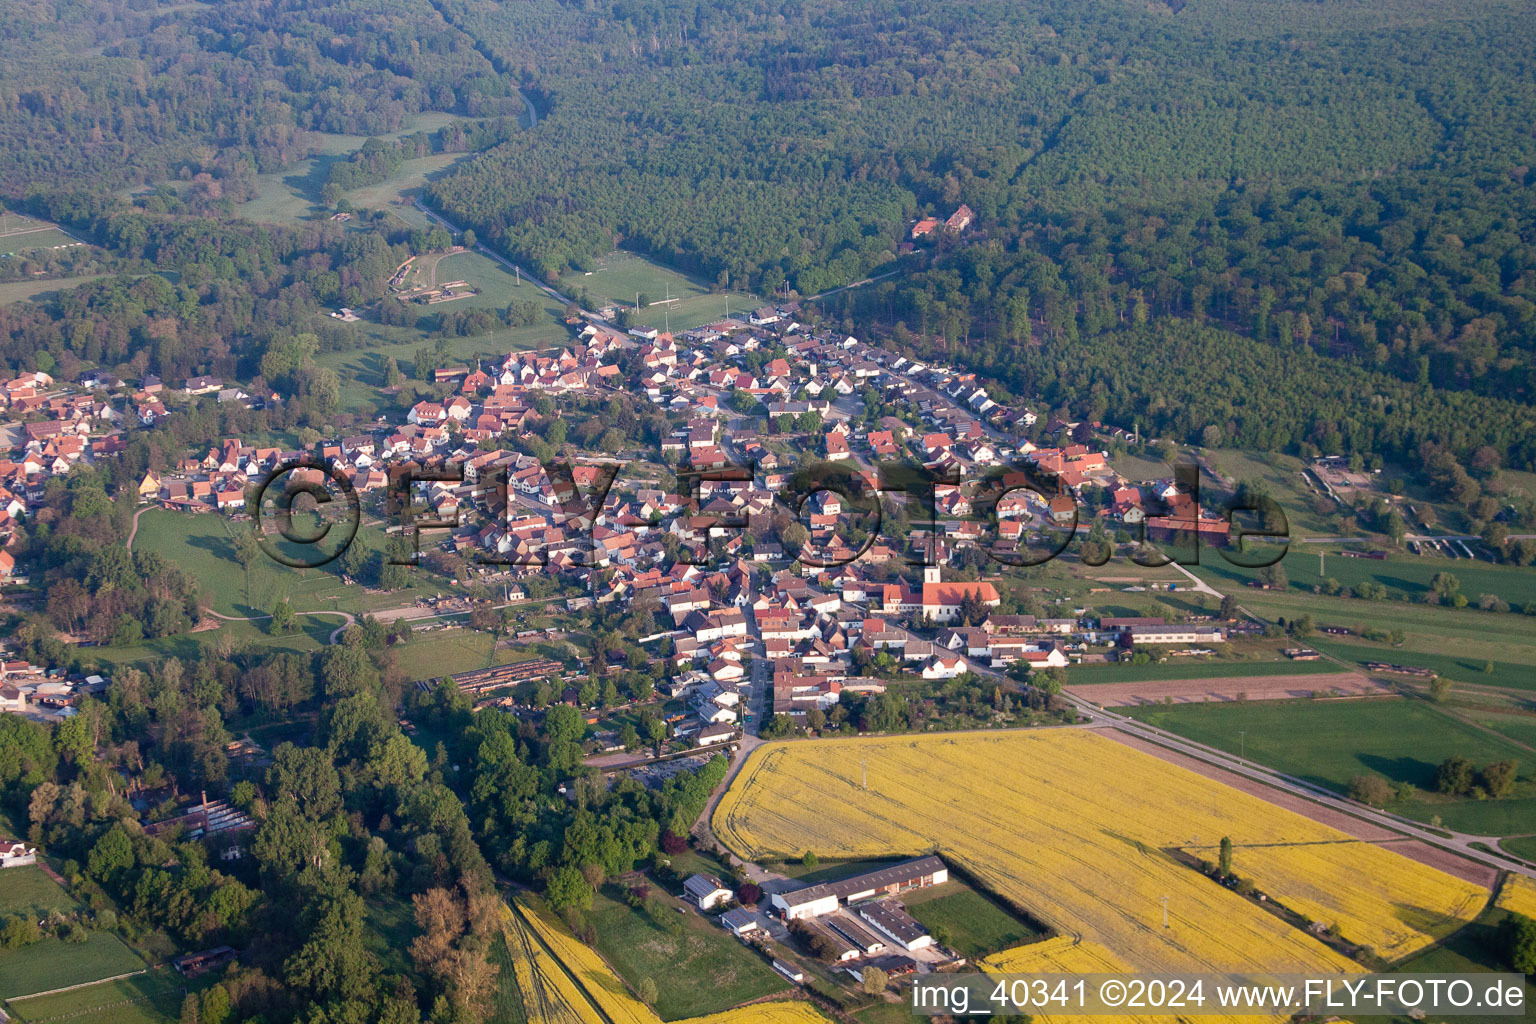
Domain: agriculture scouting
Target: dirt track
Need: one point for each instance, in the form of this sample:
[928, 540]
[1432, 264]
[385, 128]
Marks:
[1225, 688]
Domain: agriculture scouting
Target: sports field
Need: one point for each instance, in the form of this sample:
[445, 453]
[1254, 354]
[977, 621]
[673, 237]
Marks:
[1330, 742]
[618, 276]
[1076, 829]
[20, 234]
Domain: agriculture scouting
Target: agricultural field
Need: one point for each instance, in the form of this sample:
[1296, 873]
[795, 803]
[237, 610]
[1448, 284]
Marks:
[1187, 668]
[639, 946]
[619, 276]
[1405, 576]
[1518, 896]
[1065, 954]
[564, 982]
[1462, 640]
[153, 997]
[1046, 821]
[1329, 742]
[1457, 668]
[1469, 951]
[1521, 846]
[1345, 884]
[53, 963]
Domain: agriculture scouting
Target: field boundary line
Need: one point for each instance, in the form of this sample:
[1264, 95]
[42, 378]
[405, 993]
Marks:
[72, 988]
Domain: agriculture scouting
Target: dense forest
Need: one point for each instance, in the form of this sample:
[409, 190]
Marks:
[1278, 225]
[1350, 180]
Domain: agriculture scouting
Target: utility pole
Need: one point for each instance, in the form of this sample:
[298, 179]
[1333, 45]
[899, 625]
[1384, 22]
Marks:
[1320, 573]
[1165, 911]
[1242, 744]
[866, 775]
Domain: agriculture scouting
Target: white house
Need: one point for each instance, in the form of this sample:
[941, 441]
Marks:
[14, 853]
[705, 891]
[944, 666]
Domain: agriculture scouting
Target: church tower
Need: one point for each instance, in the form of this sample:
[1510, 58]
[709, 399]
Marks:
[931, 574]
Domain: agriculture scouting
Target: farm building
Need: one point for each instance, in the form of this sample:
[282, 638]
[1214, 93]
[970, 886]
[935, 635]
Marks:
[890, 919]
[1139, 635]
[815, 900]
[739, 922]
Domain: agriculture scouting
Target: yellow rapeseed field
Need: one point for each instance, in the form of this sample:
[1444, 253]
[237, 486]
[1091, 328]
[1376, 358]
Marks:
[1077, 829]
[1065, 955]
[600, 984]
[1518, 896]
[1060, 955]
[575, 986]
[1370, 895]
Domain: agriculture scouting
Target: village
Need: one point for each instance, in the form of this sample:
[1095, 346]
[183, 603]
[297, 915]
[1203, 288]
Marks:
[698, 532]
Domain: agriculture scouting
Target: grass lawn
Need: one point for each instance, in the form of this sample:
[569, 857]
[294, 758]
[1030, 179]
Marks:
[698, 970]
[507, 1001]
[292, 196]
[313, 633]
[1190, 669]
[975, 924]
[1468, 951]
[446, 653]
[830, 870]
[1282, 475]
[52, 963]
[1464, 668]
[1328, 742]
[1405, 576]
[1520, 727]
[42, 289]
[203, 545]
[150, 998]
[27, 890]
[1476, 636]
[1522, 846]
[391, 927]
[619, 275]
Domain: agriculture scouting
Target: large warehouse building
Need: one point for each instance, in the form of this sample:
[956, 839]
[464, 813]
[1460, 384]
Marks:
[815, 900]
